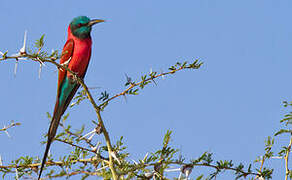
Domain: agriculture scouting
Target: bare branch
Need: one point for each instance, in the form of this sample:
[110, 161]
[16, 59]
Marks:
[12, 124]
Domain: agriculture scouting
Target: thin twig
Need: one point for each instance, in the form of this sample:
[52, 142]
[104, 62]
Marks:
[96, 173]
[77, 135]
[53, 163]
[141, 165]
[137, 84]
[287, 158]
[12, 124]
[74, 145]
[262, 163]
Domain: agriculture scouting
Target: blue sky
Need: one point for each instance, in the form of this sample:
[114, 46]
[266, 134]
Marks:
[229, 106]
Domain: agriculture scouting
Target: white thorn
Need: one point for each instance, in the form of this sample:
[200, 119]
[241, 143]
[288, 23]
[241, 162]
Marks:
[260, 178]
[91, 132]
[7, 134]
[150, 70]
[66, 62]
[113, 154]
[93, 149]
[91, 136]
[16, 174]
[172, 170]
[15, 68]
[187, 170]
[41, 62]
[1, 163]
[277, 157]
[23, 49]
[102, 168]
[96, 148]
[180, 174]
[1, 53]
[40, 70]
[149, 174]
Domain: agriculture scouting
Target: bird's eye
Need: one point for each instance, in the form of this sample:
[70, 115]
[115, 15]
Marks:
[79, 25]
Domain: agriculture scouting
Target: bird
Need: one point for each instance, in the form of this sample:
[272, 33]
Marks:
[75, 56]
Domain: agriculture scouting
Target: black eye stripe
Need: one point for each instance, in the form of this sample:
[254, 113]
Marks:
[81, 24]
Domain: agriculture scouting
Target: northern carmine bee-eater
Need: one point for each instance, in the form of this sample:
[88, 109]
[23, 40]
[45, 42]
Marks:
[75, 55]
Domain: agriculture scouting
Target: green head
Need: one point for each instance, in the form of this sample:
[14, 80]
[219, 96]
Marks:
[81, 26]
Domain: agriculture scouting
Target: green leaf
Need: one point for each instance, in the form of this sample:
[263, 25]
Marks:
[40, 42]
[199, 177]
[166, 138]
[282, 131]
[4, 54]
[104, 96]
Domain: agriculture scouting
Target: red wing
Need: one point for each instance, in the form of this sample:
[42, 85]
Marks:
[67, 53]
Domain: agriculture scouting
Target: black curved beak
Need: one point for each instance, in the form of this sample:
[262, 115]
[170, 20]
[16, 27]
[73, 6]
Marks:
[94, 21]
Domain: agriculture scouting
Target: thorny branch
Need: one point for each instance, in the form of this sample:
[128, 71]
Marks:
[12, 124]
[36, 57]
[133, 169]
[194, 65]
[5, 128]
[41, 60]
[139, 166]
[54, 163]
[74, 145]
[77, 135]
[23, 55]
[39, 57]
[95, 173]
